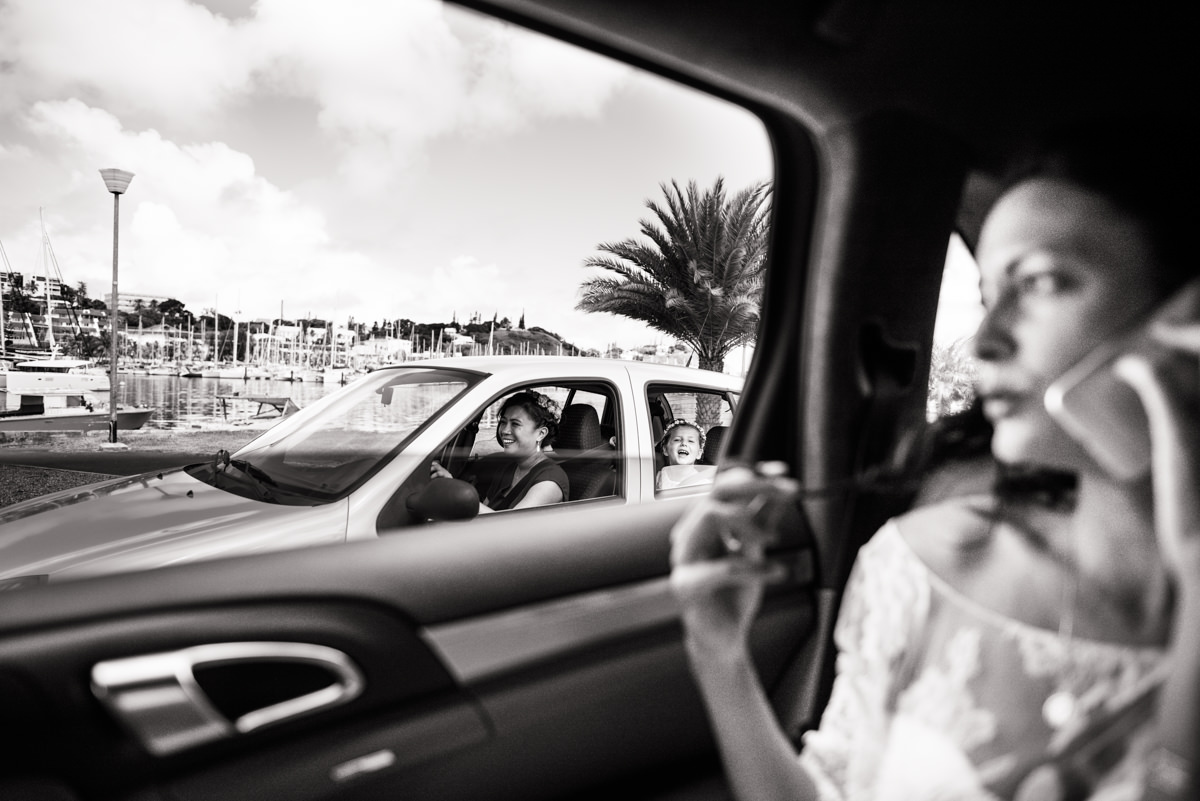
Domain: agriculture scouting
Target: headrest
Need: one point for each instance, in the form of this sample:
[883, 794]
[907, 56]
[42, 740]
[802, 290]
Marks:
[579, 429]
[713, 444]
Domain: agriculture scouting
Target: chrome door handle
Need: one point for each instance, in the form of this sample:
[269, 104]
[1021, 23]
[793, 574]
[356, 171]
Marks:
[158, 697]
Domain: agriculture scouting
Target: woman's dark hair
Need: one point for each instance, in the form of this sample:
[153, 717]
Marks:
[540, 408]
[1146, 168]
[966, 436]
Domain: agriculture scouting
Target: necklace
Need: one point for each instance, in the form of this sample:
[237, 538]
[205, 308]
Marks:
[1060, 706]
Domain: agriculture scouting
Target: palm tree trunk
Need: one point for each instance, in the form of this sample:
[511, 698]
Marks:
[708, 407]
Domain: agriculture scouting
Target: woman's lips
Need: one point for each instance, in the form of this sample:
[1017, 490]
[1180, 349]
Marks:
[998, 405]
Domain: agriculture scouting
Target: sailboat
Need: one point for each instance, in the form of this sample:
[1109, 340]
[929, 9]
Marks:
[55, 393]
[58, 375]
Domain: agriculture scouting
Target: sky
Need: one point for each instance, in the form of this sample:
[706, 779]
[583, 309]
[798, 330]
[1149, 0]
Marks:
[960, 309]
[365, 158]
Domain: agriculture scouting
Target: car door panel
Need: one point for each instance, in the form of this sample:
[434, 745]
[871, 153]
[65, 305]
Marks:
[591, 686]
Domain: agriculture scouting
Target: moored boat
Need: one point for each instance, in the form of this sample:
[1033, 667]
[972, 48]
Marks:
[163, 368]
[227, 372]
[55, 377]
[23, 413]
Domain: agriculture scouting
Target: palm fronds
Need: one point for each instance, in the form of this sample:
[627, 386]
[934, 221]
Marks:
[699, 277]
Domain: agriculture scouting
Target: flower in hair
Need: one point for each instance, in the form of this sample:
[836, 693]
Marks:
[676, 423]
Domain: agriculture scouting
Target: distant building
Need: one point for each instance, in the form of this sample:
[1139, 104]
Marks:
[30, 330]
[129, 300]
[36, 287]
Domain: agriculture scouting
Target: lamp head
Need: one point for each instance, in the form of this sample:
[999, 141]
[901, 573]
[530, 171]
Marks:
[117, 181]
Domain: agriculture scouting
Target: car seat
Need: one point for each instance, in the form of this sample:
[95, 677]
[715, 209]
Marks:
[584, 454]
[714, 442]
[658, 426]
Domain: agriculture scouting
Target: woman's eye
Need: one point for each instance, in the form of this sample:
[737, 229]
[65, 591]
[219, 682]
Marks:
[1041, 283]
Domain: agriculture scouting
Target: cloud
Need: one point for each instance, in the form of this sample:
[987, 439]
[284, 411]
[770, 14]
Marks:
[386, 77]
[414, 74]
[463, 286]
[124, 55]
[521, 77]
[199, 214]
[181, 96]
[202, 226]
[378, 70]
[14, 152]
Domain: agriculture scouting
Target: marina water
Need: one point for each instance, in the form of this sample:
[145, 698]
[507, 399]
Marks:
[194, 403]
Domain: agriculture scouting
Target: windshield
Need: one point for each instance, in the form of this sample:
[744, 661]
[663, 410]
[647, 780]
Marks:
[327, 450]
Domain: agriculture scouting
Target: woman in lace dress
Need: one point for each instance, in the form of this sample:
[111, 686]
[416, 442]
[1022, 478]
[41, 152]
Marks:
[993, 646]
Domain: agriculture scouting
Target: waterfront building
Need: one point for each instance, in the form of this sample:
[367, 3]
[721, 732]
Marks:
[30, 330]
[129, 300]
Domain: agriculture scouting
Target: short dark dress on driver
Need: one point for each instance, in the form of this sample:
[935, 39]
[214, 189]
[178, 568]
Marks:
[492, 475]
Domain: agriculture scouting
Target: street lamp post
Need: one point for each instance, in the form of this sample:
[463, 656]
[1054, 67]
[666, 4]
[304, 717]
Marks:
[116, 181]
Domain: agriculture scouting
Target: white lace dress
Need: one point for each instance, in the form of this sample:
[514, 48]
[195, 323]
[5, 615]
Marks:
[937, 697]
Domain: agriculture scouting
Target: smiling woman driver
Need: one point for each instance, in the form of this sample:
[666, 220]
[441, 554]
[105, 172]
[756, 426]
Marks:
[989, 647]
[521, 475]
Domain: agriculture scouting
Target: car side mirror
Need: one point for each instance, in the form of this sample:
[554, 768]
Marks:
[444, 499]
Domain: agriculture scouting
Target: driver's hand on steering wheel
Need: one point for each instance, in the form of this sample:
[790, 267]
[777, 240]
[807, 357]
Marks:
[437, 471]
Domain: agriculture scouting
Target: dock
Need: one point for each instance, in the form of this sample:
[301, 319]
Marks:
[281, 404]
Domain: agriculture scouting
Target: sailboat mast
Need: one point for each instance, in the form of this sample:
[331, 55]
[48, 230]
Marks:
[46, 273]
[217, 329]
[3, 327]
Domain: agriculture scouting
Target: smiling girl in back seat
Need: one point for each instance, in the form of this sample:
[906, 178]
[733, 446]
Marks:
[682, 444]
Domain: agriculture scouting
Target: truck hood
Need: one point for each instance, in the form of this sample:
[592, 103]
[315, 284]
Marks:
[152, 520]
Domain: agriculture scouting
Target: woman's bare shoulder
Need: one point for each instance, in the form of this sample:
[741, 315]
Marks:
[951, 536]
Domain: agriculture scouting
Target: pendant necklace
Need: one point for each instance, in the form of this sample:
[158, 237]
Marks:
[1060, 706]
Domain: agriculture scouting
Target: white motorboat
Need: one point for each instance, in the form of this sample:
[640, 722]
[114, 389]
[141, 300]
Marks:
[55, 376]
[64, 413]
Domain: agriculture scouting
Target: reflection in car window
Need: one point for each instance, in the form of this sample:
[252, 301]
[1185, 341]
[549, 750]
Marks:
[705, 407]
[564, 396]
[960, 309]
[329, 448]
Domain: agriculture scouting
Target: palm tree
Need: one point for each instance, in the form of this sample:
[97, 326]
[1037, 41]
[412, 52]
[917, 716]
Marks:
[700, 277]
[952, 374]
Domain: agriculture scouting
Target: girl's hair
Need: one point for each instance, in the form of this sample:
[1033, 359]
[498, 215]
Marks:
[541, 409]
[679, 422]
[1145, 168]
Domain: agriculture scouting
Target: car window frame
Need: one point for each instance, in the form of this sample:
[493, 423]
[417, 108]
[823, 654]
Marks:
[613, 408]
[659, 388]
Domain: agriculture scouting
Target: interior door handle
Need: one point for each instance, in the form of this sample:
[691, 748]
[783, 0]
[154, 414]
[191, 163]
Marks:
[159, 698]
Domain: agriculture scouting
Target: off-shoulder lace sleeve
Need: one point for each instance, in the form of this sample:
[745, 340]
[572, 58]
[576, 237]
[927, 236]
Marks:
[937, 696]
[885, 607]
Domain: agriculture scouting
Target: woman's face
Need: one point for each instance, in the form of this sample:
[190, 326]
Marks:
[1061, 271]
[683, 445]
[518, 433]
